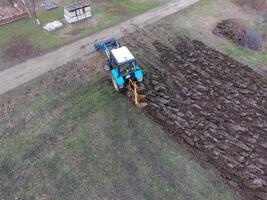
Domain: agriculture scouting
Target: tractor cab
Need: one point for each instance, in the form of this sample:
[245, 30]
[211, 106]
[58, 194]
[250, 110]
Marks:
[124, 66]
[124, 61]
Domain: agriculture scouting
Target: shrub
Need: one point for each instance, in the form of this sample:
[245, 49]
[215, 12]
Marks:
[253, 39]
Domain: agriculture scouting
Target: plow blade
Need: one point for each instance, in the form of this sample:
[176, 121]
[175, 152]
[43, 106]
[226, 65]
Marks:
[135, 93]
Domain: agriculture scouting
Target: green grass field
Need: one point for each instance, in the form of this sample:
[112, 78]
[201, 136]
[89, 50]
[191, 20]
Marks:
[104, 14]
[137, 6]
[70, 136]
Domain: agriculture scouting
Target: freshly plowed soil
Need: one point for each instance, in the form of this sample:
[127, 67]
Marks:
[214, 104]
[232, 29]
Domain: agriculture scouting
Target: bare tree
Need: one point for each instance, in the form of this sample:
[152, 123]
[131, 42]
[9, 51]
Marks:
[31, 8]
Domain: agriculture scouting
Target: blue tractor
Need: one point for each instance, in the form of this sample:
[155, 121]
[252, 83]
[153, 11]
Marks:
[120, 62]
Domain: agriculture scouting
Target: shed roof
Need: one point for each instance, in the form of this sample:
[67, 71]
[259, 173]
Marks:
[76, 6]
[49, 5]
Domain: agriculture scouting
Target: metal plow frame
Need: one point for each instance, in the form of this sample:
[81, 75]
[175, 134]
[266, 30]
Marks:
[135, 93]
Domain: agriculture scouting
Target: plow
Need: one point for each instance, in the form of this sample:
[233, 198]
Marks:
[125, 71]
[135, 91]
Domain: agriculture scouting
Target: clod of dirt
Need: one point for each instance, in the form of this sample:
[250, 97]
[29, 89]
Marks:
[6, 108]
[231, 29]
[20, 49]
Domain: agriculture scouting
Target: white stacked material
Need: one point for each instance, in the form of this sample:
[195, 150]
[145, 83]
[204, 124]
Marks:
[76, 12]
[52, 26]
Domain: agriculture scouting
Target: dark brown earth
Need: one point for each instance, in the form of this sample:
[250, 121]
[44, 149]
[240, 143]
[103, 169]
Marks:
[20, 49]
[232, 29]
[240, 33]
[214, 104]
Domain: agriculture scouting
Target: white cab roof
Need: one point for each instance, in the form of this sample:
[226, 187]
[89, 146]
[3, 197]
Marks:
[122, 55]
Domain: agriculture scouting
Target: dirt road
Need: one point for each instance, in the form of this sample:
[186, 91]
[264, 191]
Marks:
[24, 72]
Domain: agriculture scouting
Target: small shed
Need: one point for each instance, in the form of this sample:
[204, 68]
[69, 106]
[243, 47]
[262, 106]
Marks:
[76, 12]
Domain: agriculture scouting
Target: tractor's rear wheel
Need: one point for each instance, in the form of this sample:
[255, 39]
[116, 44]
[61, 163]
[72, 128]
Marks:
[115, 83]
